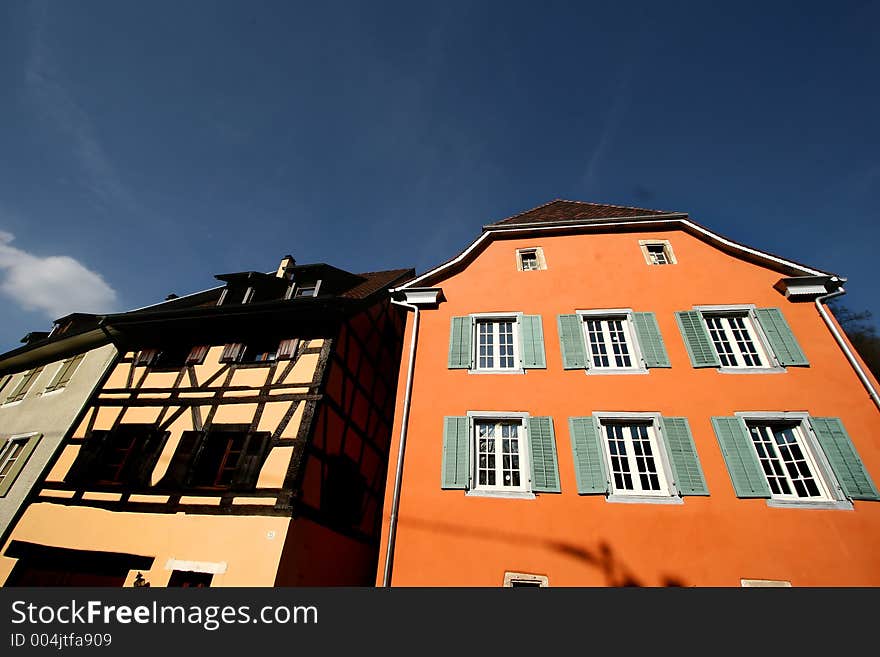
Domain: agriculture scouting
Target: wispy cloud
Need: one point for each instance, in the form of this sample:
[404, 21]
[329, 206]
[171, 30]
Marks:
[58, 106]
[54, 285]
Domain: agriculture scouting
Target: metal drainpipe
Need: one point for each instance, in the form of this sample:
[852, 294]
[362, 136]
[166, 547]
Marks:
[404, 421]
[850, 356]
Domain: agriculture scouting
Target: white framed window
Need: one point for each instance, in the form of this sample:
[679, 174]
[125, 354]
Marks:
[530, 259]
[500, 455]
[737, 338]
[611, 342]
[496, 340]
[525, 580]
[657, 252]
[790, 460]
[636, 460]
[9, 455]
[306, 290]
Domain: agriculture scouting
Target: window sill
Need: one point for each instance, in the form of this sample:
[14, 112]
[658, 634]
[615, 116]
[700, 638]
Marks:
[512, 495]
[510, 371]
[644, 499]
[600, 371]
[48, 393]
[751, 370]
[12, 403]
[841, 505]
[262, 363]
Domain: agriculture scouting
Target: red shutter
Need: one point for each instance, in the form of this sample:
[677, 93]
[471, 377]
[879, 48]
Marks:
[197, 355]
[146, 356]
[231, 352]
[287, 348]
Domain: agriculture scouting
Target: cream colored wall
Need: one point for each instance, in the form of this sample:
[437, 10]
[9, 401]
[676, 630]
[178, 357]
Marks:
[249, 546]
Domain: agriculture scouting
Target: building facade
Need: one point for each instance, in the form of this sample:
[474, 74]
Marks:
[240, 440]
[605, 396]
[44, 386]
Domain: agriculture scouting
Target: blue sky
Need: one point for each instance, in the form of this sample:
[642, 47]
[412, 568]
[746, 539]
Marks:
[147, 146]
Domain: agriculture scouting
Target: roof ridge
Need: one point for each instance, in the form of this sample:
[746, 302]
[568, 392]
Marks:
[611, 205]
[537, 207]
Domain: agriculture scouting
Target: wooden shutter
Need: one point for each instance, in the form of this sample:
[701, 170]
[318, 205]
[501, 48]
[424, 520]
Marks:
[287, 349]
[650, 340]
[232, 352]
[4, 380]
[145, 458]
[456, 447]
[27, 379]
[20, 461]
[686, 467]
[146, 356]
[782, 341]
[696, 339]
[531, 340]
[589, 460]
[65, 372]
[460, 343]
[542, 456]
[251, 460]
[843, 458]
[197, 355]
[571, 340]
[742, 462]
[179, 473]
[81, 472]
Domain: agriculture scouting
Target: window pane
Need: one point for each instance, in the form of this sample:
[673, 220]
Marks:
[784, 461]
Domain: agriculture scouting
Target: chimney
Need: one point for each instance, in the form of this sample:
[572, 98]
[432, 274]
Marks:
[286, 267]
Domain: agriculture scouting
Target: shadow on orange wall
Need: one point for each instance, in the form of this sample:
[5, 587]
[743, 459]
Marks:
[601, 557]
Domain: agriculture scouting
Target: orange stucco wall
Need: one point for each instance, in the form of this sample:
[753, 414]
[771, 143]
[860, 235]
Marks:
[446, 538]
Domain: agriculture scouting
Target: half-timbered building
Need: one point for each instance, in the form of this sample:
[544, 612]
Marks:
[240, 440]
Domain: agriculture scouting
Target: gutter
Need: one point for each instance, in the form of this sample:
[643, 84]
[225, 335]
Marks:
[404, 421]
[841, 341]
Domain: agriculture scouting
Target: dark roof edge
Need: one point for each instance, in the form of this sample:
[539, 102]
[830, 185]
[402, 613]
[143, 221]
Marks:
[574, 222]
[52, 350]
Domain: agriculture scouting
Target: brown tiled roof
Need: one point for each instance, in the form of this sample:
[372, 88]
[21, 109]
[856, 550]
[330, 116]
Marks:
[377, 280]
[561, 210]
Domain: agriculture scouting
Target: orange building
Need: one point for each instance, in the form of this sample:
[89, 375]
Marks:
[596, 395]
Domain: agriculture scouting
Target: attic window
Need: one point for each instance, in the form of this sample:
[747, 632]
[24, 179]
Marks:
[531, 259]
[309, 290]
[657, 252]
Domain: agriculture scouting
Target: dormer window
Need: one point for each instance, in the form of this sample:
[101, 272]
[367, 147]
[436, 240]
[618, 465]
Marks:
[307, 290]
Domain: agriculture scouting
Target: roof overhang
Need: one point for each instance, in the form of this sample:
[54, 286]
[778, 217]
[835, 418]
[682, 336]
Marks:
[34, 355]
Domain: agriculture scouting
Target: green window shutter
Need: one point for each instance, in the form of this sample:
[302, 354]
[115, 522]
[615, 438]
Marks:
[683, 455]
[65, 372]
[456, 441]
[4, 380]
[531, 340]
[542, 456]
[20, 461]
[460, 343]
[24, 385]
[696, 339]
[589, 462]
[841, 454]
[571, 339]
[650, 340]
[739, 454]
[785, 346]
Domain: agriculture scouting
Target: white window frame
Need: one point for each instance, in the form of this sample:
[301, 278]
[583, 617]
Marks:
[476, 319]
[669, 493]
[756, 333]
[524, 491]
[512, 577]
[632, 341]
[294, 293]
[823, 473]
[537, 251]
[667, 251]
